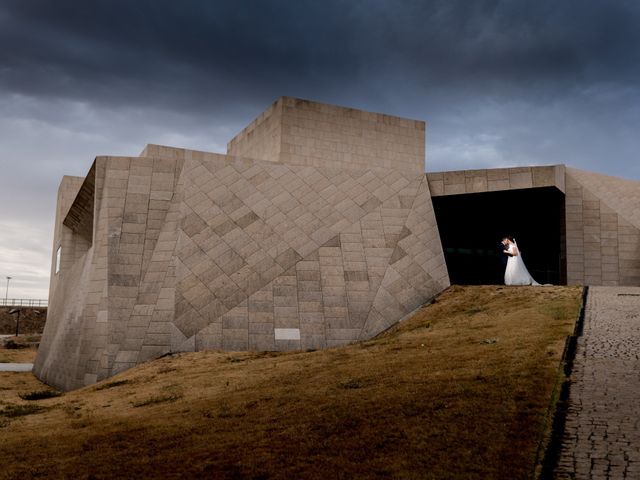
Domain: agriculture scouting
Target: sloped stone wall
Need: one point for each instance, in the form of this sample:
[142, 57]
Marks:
[193, 250]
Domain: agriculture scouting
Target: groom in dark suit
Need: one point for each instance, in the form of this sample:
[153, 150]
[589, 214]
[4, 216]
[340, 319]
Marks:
[503, 255]
[503, 260]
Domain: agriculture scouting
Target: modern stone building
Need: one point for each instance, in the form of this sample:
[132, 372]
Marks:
[574, 227]
[318, 227]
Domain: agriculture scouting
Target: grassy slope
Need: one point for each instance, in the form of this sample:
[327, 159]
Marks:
[18, 355]
[460, 390]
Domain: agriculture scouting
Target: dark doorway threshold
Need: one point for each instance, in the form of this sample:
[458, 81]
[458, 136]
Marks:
[471, 226]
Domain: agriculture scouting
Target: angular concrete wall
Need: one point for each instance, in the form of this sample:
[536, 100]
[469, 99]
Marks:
[185, 250]
[603, 229]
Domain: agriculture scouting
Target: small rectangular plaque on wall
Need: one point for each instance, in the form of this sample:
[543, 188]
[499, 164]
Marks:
[287, 333]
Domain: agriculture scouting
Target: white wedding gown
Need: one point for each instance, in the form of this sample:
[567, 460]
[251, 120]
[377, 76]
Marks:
[516, 272]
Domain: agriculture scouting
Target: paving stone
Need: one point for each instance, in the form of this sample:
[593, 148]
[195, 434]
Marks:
[602, 431]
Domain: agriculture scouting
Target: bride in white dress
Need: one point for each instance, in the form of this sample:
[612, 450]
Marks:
[516, 272]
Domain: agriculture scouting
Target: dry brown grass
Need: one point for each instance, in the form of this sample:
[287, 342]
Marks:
[18, 355]
[460, 390]
[31, 320]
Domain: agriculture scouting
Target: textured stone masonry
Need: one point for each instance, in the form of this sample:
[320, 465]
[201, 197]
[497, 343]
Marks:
[316, 229]
[179, 250]
[310, 133]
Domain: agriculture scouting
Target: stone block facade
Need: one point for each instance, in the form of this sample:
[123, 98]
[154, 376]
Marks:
[316, 229]
[603, 229]
[310, 133]
[496, 179]
[180, 250]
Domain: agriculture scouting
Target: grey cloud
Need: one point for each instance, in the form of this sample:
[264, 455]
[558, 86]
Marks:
[196, 53]
[189, 53]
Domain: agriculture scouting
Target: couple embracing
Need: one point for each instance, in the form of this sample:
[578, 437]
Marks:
[515, 272]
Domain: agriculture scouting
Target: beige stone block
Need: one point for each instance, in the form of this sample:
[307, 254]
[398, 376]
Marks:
[454, 189]
[497, 174]
[290, 311]
[476, 184]
[342, 335]
[543, 176]
[127, 356]
[261, 342]
[454, 178]
[235, 339]
[520, 179]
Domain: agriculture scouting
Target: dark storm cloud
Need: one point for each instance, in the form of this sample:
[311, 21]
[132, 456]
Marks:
[190, 52]
[198, 53]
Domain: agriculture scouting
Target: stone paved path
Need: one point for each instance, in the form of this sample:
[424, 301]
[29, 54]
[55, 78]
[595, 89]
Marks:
[602, 434]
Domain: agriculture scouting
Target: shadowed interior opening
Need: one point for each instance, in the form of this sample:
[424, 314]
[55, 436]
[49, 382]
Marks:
[80, 215]
[472, 225]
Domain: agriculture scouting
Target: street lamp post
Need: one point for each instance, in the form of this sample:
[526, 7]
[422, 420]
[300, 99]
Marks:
[12, 312]
[6, 293]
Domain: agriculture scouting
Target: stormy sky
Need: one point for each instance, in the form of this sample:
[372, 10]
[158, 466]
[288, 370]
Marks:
[500, 83]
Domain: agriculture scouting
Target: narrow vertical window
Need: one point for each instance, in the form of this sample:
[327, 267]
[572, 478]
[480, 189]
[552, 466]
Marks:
[58, 255]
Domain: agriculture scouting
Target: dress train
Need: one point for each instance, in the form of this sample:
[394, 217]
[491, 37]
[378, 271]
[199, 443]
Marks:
[516, 272]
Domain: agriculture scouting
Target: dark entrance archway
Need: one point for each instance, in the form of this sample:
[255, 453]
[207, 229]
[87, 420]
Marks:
[471, 225]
